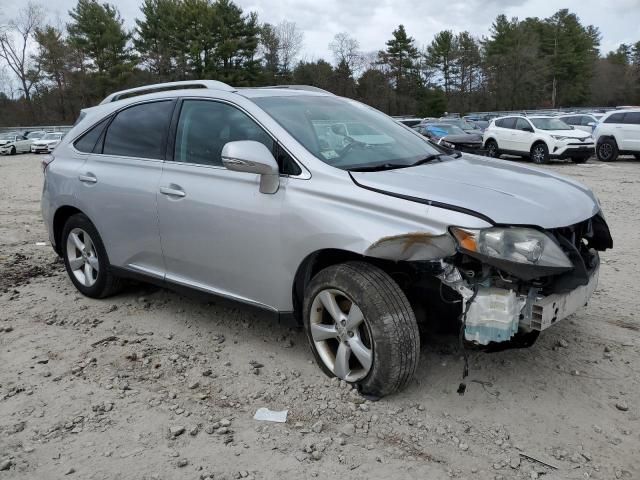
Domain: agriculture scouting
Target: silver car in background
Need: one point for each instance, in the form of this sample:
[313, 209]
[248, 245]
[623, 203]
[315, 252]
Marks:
[300, 202]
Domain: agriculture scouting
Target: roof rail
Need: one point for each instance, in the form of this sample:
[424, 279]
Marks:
[159, 87]
[308, 88]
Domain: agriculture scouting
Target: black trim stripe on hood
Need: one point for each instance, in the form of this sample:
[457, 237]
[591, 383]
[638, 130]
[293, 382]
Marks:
[425, 201]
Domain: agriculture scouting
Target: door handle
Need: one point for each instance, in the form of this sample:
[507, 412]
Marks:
[173, 191]
[88, 178]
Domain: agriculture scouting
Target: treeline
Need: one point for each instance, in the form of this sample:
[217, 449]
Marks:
[49, 72]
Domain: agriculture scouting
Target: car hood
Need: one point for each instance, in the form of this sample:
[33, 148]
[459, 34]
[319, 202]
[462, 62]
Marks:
[469, 138]
[506, 193]
[45, 142]
[569, 133]
[5, 142]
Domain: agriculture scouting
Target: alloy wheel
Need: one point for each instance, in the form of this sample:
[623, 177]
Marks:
[538, 154]
[492, 150]
[341, 335]
[82, 257]
[605, 151]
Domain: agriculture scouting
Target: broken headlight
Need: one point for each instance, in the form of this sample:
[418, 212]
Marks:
[525, 252]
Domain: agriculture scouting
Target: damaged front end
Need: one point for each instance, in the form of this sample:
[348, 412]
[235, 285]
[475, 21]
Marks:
[513, 280]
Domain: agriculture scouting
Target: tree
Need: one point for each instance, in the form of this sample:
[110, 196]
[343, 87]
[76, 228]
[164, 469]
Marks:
[317, 74]
[156, 34]
[571, 50]
[15, 40]
[290, 40]
[270, 50]
[97, 32]
[345, 50]
[53, 58]
[400, 56]
[441, 56]
[515, 70]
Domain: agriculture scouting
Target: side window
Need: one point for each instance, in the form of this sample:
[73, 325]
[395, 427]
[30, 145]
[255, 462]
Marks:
[139, 131]
[571, 120]
[509, 122]
[87, 142]
[632, 118]
[206, 126]
[522, 124]
[585, 121]
[615, 118]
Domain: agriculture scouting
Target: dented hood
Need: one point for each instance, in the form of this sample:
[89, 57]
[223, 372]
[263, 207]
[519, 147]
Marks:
[501, 191]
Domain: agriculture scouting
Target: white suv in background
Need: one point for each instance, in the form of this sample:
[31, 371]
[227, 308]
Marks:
[540, 138]
[618, 133]
[582, 121]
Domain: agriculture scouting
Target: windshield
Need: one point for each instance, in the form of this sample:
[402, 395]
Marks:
[462, 124]
[344, 133]
[52, 136]
[35, 135]
[449, 129]
[549, 124]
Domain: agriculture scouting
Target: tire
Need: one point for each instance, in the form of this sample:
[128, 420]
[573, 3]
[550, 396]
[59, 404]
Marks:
[492, 149]
[607, 150]
[539, 153]
[579, 159]
[97, 281]
[13, 150]
[637, 155]
[383, 322]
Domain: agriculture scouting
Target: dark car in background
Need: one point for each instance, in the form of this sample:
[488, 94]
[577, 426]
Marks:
[466, 125]
[452, 136]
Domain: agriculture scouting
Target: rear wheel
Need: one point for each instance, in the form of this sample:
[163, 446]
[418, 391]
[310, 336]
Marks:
[492, 149]
[361, 327]
[85, 258]
[539, 153]
[607, 150]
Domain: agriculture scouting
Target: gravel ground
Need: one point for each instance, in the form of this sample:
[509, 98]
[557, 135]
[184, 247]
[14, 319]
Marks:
[152, 385]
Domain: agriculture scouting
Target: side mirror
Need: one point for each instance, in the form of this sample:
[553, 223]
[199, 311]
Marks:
[253, 157]
[591, 124]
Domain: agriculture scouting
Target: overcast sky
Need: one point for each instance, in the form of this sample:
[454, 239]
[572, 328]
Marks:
[372, 21]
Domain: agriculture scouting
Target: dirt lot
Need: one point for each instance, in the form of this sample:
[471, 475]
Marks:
[151, 385]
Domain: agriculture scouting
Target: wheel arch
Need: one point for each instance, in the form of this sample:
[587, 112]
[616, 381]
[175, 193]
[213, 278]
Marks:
[61, 216]
[490, 139]
[609, 136]
[321, 259]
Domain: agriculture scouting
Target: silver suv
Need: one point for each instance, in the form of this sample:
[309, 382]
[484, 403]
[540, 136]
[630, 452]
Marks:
[301, 202]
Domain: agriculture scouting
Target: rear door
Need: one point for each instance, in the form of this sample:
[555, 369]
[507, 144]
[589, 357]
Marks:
[631, 132]
[505, 133]
[119, 183]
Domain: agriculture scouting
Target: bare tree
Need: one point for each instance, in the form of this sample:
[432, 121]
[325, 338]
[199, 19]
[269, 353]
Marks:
[346, 49]
[290, 40]
[15, 40]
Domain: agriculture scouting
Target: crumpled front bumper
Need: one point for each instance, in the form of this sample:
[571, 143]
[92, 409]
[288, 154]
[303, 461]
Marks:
[546, 311]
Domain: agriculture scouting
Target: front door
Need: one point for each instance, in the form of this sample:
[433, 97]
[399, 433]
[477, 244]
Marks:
[218, 232]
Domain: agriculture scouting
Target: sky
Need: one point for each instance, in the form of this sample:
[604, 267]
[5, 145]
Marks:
[373, 21]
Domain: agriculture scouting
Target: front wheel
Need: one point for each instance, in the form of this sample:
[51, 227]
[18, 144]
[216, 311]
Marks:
[540, 153]
[361, 327]
[13, 150]
[85, 258]
[607, 150]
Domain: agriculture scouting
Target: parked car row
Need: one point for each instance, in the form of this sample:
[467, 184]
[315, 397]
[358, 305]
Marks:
[25, 142]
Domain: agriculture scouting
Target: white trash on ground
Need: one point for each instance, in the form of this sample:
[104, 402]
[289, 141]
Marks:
[266, 415]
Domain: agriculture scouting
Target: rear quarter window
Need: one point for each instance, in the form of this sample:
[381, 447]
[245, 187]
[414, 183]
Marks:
[87, 142]
[632, 118]
[615, 118]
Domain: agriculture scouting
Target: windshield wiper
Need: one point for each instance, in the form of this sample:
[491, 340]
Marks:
[435, 156]
[378, 168]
